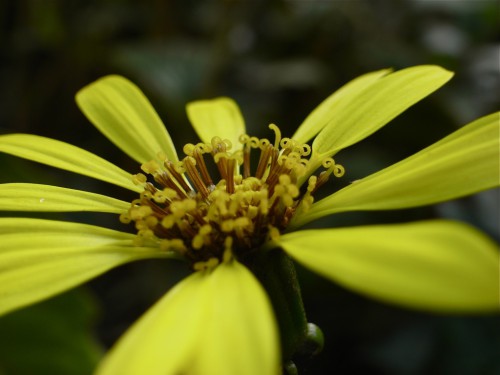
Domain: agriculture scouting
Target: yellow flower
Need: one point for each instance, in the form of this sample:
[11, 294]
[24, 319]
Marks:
[219, 320]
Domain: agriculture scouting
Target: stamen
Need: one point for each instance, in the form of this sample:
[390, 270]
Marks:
[277, 137]
[165, 180]
[306, 150]
[176, 170]
[189, 164]
[182, 210]
[331, 167]
[188, 149]
[198, 156]
[228, 254]
[231, 167]
[173, 245]
[246, 162]
[139, 179]
[151, 167]
[263, 161]
[220, 155]
[207, 265]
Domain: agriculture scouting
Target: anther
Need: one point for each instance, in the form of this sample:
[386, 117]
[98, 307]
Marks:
[151, 167]
[139, 179]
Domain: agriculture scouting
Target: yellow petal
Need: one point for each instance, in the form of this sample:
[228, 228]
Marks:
[219, 117]
[40, 258]
[65, 156]
[323, 114]
[164, 340]
[217, 323]
[120, 110]
[46, 198]
[239, 316]
[434, 265]
[463, 163]
[376, 105]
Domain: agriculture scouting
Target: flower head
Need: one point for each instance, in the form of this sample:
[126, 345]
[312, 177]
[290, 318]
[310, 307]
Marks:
[228, 217]
[210, 220]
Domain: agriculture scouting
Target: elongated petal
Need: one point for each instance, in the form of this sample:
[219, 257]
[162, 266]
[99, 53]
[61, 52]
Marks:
[378, 104]
[65, 156]
[219, 117]
[120, 110]
[435, 265]
[165, 339]
[216, 323]
[240, 317]
[36, 197]
[40, 258]
[323, 114]
[465, 162]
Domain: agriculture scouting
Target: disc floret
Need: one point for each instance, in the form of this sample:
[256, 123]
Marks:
[208, 222]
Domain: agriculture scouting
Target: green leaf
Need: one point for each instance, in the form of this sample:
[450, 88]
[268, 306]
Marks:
[46, 198]
[211, 323]
[120, 110]
[323, 114]
[463, 163]
[65, 156]
[41, 258]
[219, 117]
[51, 338]
[434, 265]
[370, 109]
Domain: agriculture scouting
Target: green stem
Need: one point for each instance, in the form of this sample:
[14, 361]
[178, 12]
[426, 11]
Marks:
[276, 271]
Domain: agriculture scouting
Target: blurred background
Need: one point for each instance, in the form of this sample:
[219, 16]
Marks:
[278, 59]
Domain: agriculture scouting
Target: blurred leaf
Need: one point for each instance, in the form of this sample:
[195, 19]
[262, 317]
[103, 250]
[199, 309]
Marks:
[298, 73]
[50, 338]
[175, 70]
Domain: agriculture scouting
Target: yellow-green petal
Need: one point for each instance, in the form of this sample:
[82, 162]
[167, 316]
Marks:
[65, 156]
[239, 316]
[40, 258]
[46, 198]
[435, 265]
[217, 323]
[465, 162]
[219, 117]
[120, 110]
[164, 340]
[323, 114]
[376, 105]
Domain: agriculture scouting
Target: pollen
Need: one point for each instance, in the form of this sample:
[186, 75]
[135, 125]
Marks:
[211, 215]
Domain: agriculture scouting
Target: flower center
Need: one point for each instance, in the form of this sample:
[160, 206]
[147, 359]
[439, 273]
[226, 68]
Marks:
[208, 222]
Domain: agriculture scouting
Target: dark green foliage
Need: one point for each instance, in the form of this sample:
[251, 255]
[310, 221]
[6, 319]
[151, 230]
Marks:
[278, 59]
[50, 338]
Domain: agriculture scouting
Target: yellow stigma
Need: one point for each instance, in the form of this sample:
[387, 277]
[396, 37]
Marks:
[208, 222]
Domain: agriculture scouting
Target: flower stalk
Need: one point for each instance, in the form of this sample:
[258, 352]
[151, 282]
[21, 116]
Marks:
[276, 272]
